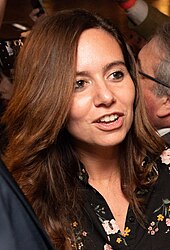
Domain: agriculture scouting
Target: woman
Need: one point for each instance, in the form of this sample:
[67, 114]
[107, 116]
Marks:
[78, 135]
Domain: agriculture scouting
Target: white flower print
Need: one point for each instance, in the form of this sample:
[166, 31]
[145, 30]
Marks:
[107, 247]
[165, 156]
[168, 222]
[110, 227]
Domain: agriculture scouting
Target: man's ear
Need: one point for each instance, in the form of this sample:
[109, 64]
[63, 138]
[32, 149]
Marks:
[164, 108]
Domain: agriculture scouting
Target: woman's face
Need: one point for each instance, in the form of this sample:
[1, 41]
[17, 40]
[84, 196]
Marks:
[101, 111]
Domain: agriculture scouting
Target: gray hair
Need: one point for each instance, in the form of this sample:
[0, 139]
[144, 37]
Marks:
[162, 71]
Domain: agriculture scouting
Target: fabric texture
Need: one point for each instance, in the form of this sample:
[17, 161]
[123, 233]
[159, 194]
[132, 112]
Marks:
[99, 230]
[19, 227]
[166, 137]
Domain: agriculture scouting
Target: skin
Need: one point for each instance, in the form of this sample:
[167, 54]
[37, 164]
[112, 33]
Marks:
[157, 107]
[101, 88]
[99, 93]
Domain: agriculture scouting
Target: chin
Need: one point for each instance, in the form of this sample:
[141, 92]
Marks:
[111, 143]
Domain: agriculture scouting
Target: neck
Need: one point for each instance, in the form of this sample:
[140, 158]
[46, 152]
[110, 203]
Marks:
[102, 164]
[103, 168]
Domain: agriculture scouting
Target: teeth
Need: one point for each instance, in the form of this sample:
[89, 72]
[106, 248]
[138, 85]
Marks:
[108, 118]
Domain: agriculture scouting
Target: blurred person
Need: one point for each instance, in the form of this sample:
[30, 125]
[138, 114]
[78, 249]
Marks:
[154, 68]
[80, 144]
[36, 15]
[38, 9]
[143, 17]
[19, 226]
[8, 52]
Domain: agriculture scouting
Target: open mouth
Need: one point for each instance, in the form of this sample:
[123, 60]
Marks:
[108, 118]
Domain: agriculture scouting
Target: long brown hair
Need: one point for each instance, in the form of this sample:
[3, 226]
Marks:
[39, 151]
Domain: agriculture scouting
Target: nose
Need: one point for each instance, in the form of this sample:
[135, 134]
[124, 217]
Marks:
[103, 95]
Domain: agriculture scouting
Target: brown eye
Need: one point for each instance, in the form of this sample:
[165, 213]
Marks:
[116, 76]
[79, 84]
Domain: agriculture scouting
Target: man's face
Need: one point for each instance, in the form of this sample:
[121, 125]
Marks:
[148, 59]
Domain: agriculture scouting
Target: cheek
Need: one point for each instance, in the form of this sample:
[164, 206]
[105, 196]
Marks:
[129, 96]
[150, 103]
[149, 98]
[79, 113]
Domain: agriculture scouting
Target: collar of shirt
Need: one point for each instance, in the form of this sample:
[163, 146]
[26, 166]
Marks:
[82, 174]
[83, 177]
[163, 131]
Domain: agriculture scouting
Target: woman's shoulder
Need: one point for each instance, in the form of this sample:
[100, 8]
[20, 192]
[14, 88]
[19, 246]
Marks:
[159, 204]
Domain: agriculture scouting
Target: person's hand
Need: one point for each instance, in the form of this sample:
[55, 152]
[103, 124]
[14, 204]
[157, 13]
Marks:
[25, 34]
[34, 15]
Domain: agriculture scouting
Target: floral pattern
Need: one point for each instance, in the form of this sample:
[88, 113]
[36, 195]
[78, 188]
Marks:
[162, 217]
[79, 235]
[163, 212]
[111, 227]
[165, 157]
[159, 223]
[107, 247]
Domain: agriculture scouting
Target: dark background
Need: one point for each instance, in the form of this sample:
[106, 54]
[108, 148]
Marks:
[17, 11]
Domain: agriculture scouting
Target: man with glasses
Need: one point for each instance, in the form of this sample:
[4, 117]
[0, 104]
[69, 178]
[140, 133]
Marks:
[154, 69]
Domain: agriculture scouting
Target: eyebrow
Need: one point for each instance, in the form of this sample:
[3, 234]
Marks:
[113, 64]
[105, 68]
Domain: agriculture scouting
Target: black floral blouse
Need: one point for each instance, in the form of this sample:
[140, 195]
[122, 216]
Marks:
[100, 230]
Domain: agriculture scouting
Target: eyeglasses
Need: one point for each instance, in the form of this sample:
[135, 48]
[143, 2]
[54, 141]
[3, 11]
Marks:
[153, 79]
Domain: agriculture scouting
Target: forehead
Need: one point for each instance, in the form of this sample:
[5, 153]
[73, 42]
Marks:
[97, 45]
[150, 54]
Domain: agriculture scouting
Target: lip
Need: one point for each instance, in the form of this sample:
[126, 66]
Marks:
[110, 126]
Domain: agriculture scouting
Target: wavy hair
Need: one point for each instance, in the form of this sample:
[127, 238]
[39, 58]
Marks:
[40, 152]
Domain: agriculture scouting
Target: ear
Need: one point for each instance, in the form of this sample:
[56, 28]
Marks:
[164, 107]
